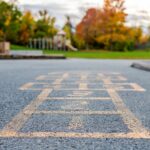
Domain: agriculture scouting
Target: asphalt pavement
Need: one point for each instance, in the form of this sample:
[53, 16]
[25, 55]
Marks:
[74, 104]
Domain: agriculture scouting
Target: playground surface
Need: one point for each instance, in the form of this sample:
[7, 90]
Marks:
[74, 104]
[92, 54]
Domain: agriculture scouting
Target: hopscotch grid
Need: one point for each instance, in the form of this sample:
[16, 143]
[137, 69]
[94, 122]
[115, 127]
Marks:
[80, 98]
[134, 86]
[75, 89]
[137, 130]
[19, 120]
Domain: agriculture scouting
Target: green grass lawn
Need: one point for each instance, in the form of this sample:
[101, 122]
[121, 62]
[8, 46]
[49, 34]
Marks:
[103, 54]
[94, 54]
[19, 48]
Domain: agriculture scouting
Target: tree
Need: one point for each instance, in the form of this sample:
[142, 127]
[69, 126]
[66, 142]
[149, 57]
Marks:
[45, 26]
[105, 27]
[26, 28]
[113, 25]
[86, 29]
[9, 21]
[68, 28]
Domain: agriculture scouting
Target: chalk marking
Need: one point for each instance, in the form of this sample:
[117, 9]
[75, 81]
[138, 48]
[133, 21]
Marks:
[80, 93]
[137, 87]
[83, 77]
[83, 86]
[27, 86]
[19, 120]
[77, 112]
[138, 135]
[58, 81]
[80, 98]
[12, 128]
[122, 78]
[129, 119]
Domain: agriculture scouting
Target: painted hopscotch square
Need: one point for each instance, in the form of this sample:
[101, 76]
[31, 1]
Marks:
[69, 86]
[98, 85]
[42, 85]
[77, 105]
[79, 93]
[72, 79]
[124, 87]
[75, 123]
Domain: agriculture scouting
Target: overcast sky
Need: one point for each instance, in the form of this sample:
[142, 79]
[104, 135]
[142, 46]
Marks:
[59, 8]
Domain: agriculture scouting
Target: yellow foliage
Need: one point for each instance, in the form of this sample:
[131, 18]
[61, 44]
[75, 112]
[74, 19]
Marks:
[8, 20]
[107, 38]
[1, 35]
[26, 27]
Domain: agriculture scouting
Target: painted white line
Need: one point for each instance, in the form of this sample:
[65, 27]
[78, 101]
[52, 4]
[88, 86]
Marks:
[139, 132]
[26, 86]
[76, 112]
[79, 98]
[19, 120]
[128, 117]
[131, 135]
[136, 87]
[83, 86]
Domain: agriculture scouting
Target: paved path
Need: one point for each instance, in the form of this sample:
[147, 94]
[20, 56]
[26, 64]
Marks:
[74, 104]
[28, 53]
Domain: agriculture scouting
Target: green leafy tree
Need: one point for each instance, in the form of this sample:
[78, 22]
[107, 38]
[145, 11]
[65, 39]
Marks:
[45, 26]
[9, 21]
[112, 26]
[27, 27]
[68, 28]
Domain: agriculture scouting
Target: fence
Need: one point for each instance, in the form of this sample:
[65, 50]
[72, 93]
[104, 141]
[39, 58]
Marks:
[57, 43]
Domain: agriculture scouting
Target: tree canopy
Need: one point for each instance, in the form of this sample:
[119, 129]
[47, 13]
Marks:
[101, 28]
[23, 26]
[106, 27]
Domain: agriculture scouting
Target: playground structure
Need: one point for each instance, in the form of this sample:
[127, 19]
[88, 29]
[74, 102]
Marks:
[59, 42]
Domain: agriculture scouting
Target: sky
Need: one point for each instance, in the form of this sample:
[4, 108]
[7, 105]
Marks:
[138, 10]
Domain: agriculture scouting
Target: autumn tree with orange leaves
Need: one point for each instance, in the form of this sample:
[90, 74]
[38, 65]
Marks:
[86, 29]
[106, 27]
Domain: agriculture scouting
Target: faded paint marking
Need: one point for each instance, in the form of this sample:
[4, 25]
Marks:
[138, 135]
[80, 98]
[26, 86]
[19, 120]
[77, 112]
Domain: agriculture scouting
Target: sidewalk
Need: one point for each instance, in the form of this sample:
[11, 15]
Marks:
[30, 55]
[144, 65]
[27, 53]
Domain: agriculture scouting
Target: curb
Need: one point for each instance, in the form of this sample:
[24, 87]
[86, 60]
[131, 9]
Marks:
[32, 57]
[141, 66]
